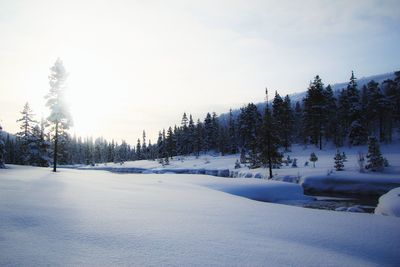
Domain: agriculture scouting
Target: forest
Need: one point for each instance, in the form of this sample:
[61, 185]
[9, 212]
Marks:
[260, 133]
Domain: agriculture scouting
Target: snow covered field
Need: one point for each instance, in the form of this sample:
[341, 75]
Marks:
[98, 218]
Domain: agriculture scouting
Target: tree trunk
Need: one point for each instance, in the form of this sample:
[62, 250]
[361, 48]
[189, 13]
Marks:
[55, 149]
[381, 133]
[269, 156]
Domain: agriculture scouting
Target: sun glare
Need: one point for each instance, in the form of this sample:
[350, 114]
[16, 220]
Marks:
[89, 94]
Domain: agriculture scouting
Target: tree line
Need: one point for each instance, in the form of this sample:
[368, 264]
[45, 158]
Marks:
[259, 133]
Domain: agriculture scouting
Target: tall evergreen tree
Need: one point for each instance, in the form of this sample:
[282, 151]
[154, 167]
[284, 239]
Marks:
[357, 132]
[208, 133]
[297, 125]
[191, 133]
[232, 135]
[40, 147]
[199, 138]
[170, 143]
[59, 117]
[2, 149]
[314, 115]
[25, 136]
[343, 117]
[287, 120]
[270, 155]
[330, 107]
[249, 125]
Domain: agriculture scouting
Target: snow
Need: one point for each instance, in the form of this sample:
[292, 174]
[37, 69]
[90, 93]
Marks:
[389, 203]
[98, 218]
[321, 179]
[356, 183]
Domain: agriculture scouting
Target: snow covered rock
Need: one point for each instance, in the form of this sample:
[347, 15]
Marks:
[389, 203]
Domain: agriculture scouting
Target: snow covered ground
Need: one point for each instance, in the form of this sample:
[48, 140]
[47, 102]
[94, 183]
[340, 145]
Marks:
[98, 218]
[322, 178]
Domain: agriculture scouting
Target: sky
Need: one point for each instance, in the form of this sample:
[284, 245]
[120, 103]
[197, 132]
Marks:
[138, 65]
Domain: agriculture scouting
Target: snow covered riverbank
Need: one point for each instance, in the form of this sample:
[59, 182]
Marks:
[97, 218]
[321, 179]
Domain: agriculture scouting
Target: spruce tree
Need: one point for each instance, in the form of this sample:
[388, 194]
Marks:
[40, 147]
[139, 155]
[298, 124]
[392, 96]
[208, 133]
[160, 148]
[191, 136]
[287, 123]
[59, 117]
[314, 115]
[375, 161]
[344, 120]
[2, 149]
[199, 138]
[357, 131]
[25, 137]
[144, 146]
[313, 158]
[338, 161]
[232, 139]
[269, 141]
[330, 109]
[170, 143]
[249, 126]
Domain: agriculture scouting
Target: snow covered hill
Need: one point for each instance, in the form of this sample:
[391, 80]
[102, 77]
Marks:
[98, 218]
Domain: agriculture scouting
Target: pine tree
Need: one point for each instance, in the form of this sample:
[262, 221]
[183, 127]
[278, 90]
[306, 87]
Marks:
[392, 96]
[59, 114]
[40, 147]
[25, 137]
[331, 128]
[269, 154]
[223, 140]
[338, 161]
[287, 123]
[191, 135]
[344, 120]
[199, 138]
[357, 132]
[2, 149]
[232, 139]
[144, 146]
[160, 148]
[184, 136]
[313, 158]
[375, 161]
[11, 148]
[208, 133]
[314, 116]
[139, 150]
[170, 143]
[249, 126]
[298, 122]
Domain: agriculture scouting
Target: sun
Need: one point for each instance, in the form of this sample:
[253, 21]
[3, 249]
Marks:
[89, 95]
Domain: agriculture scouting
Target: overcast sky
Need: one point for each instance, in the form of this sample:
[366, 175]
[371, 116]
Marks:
[138, 65]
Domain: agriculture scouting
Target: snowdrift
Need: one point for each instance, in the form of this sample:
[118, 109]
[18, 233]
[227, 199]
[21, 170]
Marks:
[389, 203]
